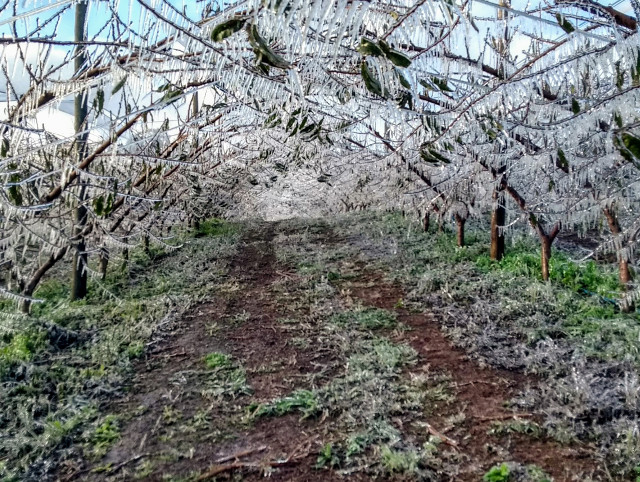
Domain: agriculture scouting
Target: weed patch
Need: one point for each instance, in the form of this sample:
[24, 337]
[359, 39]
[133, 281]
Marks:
[304, 402]
[217, 360]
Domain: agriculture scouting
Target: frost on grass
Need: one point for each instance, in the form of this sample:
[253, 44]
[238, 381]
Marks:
[58, 367]
[586, 353]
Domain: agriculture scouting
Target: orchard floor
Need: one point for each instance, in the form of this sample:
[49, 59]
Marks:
[320, 370]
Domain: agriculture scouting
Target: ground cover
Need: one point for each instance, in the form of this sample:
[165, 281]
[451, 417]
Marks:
[356, 348]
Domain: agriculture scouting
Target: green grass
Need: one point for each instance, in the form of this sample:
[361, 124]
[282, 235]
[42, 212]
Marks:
[45, 384]
[327, 457]
[20, 347]
[400, 462]
[506, 315]
[217, 360]
[499, 473]
[304, 402]
[215, 227]
[523, 259]
[105, 435]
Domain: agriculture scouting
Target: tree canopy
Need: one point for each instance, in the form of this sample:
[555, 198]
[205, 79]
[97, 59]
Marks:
[525, 110]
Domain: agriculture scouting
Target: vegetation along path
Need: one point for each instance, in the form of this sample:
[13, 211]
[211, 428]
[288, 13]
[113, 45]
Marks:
[311, 364]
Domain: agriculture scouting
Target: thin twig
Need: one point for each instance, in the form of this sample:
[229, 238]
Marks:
[219, 469]
[442, 437]
[240, 455]
[112, 470]
[505, 417]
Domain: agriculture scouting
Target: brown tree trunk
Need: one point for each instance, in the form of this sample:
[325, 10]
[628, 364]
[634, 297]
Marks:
[79, 273]
[545, 242]
[104, 263]
[145, 243]
[30, 287]
[623, 264]
[498, 217]
[78, 269]
[125, 251]
[426, 221]
[460, 221]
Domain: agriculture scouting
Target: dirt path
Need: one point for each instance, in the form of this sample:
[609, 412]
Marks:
[186, 420]
[481, 394]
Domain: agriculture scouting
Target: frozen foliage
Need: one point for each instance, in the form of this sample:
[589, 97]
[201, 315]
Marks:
[313, 106]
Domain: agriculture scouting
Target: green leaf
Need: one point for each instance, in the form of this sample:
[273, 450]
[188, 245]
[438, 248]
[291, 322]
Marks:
[98, 205]
[15, 193]
[98, 102]
[436, 83]
[620, 74]
[371, 83]
[264, 53]
[629, 146]
[562, 162]
[172, 95]
[4, 148]
[119, 85]
[292, 120]
[403, 80]
[432, 156]
[564, 23]
[227, 29]
[405, 99]
[109, 206]
[575, 106]
[395, 56]
[617, 118]
[367, 47]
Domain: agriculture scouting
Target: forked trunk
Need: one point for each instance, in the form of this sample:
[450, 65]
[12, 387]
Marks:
[28, 289]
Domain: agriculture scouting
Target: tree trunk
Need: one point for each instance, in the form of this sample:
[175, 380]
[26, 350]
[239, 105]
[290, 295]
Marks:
[125, 251]
[145, 243]
[460, 221]
[545, 241]
[104, 263]
[79, 273]
[623, 264]
[30, 287]
[426, 221]
[498, 217]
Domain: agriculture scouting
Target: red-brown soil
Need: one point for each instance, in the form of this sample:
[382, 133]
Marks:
[274, 365]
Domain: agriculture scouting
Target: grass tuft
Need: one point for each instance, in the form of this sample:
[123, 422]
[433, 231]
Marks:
[304, 402]
[217, 360]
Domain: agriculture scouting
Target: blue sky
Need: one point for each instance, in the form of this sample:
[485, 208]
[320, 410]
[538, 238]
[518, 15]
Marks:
[42, 10]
